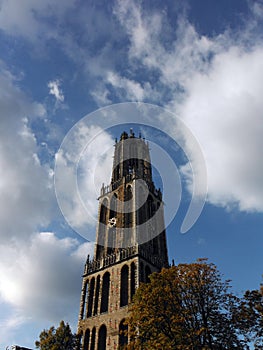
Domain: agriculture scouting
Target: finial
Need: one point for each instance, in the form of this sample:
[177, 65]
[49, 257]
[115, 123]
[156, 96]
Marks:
[87, 261]
[124, 136]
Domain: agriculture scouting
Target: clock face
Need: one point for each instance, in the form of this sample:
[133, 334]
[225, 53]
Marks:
[112, 222]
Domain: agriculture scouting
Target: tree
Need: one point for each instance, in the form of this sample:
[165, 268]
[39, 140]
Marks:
[249, 316]
[57, 339]
[185, 307]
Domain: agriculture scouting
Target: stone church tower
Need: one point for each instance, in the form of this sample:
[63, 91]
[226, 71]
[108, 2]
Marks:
[130, 245]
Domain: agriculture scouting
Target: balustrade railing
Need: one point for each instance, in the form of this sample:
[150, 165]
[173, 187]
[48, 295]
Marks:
[123, 254]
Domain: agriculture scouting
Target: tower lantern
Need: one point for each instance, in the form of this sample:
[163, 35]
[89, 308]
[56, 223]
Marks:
[130, 245]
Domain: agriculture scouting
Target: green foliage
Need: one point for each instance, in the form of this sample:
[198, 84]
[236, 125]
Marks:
[57, 339]
[186, 307]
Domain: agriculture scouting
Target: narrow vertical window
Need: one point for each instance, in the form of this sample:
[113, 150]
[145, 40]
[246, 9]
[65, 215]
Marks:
[105, 292]
[90, 297]
[96, 302]
[124, 286]
[85, 299]
[93, 337]
[102, 229]
[123, 336]
[129, 209]
[102, 338]
[86, 340]
[133, 283]
[112, 225]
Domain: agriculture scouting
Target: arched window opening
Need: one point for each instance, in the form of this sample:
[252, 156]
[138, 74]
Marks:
[105, 292]
[86, 340]
[112, 225]
[111, 240]
[90, 297]
[129, 209]
[96, 302]
[103, 211]
[141, 212]
[133, 283]
[93, 337]
[102, 228]
[113, 206]
[123, 334]
[102, 338]
[85, 299]
[147, 273]
[124, 286]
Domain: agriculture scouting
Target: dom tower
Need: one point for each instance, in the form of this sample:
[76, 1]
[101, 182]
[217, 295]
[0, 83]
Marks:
[130, 245]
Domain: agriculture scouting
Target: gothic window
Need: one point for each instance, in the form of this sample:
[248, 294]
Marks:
[124, 286]
[112, 225]
[86, 340]
[102, 338]
[123, 336]
[90, 297]
[133, 284]
[147, 273]
[128, 214]
[102, 228]
[93, 337]
[113, 206]
[105, 292]
[85, 299]
[103, 211]
[142, 209]
[97, 296]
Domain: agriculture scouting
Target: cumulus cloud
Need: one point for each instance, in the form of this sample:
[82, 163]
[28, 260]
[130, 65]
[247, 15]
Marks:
[224, 111]
[82, 164]
[46, 271]
[39, 273]
[214, 84]
[27, 18]
[25, 183]
[41, 281]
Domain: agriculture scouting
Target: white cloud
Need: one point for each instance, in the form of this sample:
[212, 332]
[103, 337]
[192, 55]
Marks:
[215, 86]
[224, 111]
[83, 163]
[25, 184]
[130, 88]
[41, 280]
[39, 273]
[27, 18]
[55, 90]
[40, 277]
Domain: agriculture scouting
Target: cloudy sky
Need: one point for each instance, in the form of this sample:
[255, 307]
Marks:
[201, 60]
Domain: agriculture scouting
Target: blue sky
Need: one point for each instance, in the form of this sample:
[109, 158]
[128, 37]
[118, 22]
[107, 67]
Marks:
[201, 60]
